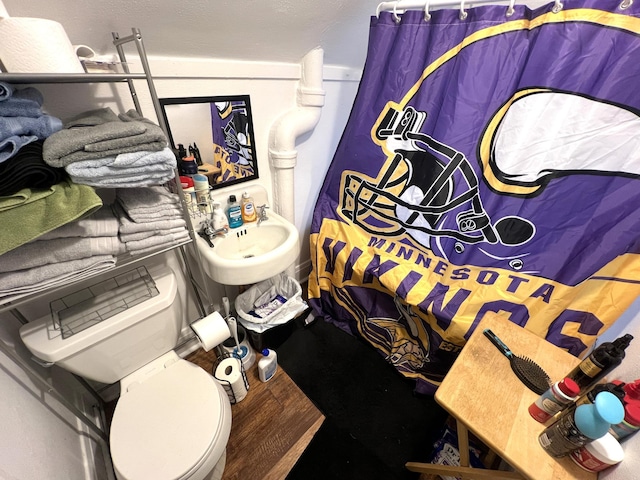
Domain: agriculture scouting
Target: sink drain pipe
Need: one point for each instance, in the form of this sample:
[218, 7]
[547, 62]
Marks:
[302, 119]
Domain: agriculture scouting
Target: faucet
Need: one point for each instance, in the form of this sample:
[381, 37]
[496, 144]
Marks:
[262, 213]
[210, 232]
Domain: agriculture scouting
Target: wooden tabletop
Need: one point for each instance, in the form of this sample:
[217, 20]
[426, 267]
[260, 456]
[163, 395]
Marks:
[270, 428]
[482, 392]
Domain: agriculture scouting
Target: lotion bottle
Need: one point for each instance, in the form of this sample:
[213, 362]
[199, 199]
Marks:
[267, 365]
[219, 218]
[234, 212]
[248, 208]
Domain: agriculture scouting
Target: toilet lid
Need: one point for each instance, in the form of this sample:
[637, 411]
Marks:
[163, 427]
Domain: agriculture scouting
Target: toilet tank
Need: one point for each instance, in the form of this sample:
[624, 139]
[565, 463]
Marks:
[110, 349]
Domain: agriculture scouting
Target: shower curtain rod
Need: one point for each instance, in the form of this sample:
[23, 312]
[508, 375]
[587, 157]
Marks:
[400, 6]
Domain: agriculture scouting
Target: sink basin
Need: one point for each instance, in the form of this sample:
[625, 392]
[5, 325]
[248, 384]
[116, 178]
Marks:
[251, 253]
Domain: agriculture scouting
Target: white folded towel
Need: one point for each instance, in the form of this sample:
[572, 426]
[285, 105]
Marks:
[144, 199]
[156, 241]
[132, 237]
[128, 226]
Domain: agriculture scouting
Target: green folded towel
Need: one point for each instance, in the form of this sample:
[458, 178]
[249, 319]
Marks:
[43, 211]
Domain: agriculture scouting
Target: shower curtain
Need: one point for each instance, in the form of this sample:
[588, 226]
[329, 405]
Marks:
[490, 163]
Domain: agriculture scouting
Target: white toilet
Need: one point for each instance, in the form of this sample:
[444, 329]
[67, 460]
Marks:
[173, 419]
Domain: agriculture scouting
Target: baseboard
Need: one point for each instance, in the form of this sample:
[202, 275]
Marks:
[302, 271]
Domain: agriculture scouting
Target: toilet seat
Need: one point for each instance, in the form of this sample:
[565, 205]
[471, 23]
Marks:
[164, 427]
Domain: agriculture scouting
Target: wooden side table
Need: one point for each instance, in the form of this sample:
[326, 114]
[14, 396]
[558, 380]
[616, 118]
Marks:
[485, 397]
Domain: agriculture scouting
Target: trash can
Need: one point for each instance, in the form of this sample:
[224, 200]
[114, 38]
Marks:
[266, 310]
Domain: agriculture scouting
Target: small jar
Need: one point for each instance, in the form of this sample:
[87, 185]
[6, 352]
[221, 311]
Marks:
[630, 424]
[559, 395]
[600, 454]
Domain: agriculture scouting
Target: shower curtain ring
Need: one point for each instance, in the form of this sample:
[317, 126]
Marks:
[510, 9]
[463, 13]
[396, 18]
[626, 4]
[427, 15]
[557, 7]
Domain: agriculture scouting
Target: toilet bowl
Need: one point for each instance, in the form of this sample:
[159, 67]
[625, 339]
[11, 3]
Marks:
[173, 419]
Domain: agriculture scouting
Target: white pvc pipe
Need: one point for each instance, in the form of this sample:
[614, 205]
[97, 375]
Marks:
[303, 118]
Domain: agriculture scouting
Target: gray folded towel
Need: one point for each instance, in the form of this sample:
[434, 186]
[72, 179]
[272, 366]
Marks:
[157, 241]
[45, 252]
[146, 200]
[98, 134]
[18, 284]
[131, 237]
[102, 223]
[128, 226]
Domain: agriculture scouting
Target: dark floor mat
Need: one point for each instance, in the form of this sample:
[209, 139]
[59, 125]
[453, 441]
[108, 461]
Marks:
[375, 423]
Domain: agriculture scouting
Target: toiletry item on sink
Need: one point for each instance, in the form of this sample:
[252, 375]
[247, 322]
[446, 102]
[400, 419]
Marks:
[234, 212]
[219, 219]
[248, 208]
[267, 365]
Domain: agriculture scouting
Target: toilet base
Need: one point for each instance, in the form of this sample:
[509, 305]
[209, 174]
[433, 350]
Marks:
[216, 473]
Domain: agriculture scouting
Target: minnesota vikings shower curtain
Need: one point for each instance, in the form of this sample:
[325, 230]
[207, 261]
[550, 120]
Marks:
[490, 164]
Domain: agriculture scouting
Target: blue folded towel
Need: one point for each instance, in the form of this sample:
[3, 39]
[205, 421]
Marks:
[6, 90]
[26, 102]
[10, 146]
[41, 127]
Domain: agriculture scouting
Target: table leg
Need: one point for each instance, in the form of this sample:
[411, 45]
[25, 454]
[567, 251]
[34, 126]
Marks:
[463, 443]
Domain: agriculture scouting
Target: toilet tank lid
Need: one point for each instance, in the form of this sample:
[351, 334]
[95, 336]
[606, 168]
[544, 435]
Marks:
[163, 427]
[45, 341]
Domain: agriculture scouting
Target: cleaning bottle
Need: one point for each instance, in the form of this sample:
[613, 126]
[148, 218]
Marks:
[579, 426]
[267, 365]
[234, 212]
[601, 361]
[248, 208]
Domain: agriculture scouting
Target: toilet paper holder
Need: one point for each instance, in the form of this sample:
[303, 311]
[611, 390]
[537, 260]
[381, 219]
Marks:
[235, 392]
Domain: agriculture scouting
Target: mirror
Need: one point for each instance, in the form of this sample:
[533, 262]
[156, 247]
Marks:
[217, 132]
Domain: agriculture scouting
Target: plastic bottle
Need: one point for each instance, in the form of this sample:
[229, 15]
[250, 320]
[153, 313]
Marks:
[188, 166]
[600, 454]
[219, 218]
[201, 185]
[188, 190]
[559, 395]
[601, 361]
[234, 212]
[267, 365]
[630, 424]
[248, 208]
[578, 426]
[616, 389]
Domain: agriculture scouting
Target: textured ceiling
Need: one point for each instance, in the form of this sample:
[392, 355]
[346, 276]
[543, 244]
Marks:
[266, 30]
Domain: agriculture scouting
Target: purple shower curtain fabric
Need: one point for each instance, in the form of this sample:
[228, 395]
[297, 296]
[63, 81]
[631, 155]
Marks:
[490, 164]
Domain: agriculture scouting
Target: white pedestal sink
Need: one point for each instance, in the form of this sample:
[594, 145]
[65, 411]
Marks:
[251, 253]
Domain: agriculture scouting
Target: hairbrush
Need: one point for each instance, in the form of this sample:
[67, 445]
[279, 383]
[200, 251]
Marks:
[528, 371]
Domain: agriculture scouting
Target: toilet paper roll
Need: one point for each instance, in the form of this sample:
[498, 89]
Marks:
[211, 330]
[36, 45]
[229, 373]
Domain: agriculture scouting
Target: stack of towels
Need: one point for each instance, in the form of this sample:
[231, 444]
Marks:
[102, 149]
[150, 219]
[75, 251]
[35, 197]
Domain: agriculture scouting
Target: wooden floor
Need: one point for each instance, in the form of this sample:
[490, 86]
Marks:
[270, 428]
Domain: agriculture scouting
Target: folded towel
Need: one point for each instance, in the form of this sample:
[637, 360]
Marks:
[146, 200]
[156, 241]
[26, 102]
[131, 181]
[125, 162]
[24, 197]
[131, 237]
[98, 134]
[27, 169]
[41, 127]
[10, 146]
[101, 223]
[6, 90]
[44, 252]
[128, 226]
[63, 203]
[24, 282]
[152, 217]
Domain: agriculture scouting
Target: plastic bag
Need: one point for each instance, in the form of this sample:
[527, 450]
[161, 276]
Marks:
[272, 302]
